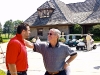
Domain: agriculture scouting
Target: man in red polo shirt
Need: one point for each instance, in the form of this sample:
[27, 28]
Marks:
[16, 54]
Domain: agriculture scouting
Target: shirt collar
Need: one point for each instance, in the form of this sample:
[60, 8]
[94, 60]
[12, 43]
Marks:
[19, 37]
[57, 44]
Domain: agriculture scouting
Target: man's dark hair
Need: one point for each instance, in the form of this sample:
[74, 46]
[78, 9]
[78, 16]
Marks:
[21, 27]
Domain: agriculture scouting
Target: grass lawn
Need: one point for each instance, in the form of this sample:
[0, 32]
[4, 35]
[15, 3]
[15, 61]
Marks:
[5, 40]
[97, 41]
[5, 37]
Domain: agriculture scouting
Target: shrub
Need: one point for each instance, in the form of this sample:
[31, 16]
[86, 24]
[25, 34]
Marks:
[96, 38]
[1, 40]
[62, 39]
[95, 30]
[77, 29]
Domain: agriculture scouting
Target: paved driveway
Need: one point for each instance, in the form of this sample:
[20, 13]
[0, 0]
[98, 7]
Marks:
[86, 63]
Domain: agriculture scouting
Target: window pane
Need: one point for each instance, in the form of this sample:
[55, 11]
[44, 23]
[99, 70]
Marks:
[40, 31]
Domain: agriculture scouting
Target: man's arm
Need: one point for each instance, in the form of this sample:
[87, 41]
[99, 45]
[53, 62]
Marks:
[12, 69]
[29, 44]
[71, 58]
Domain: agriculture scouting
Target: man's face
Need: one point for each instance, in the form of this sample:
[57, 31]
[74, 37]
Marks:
[26, 33]
[52, 36]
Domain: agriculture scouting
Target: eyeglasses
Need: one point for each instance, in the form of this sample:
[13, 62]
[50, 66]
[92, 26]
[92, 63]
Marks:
[50, 34]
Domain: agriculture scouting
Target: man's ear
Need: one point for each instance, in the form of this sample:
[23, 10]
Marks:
[23, 31]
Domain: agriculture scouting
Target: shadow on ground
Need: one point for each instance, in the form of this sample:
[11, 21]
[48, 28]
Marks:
[97, 67]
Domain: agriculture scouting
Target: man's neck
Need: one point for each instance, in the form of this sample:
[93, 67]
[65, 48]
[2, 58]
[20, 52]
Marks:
[53, 44]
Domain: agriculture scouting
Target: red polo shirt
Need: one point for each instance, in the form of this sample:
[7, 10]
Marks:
[16, 53]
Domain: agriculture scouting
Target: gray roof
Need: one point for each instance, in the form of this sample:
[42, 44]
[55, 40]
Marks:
[86, 6]
[82, 12]
[47, 4]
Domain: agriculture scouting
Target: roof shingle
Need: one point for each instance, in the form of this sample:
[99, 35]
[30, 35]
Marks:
[82, 12]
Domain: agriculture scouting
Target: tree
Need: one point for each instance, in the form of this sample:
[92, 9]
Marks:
[77, 29]
[0, 29]
[16, 23]
[95, 30]
[8, 27]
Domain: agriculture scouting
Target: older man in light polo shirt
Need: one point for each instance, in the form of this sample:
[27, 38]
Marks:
[88, 40]
[54, 54]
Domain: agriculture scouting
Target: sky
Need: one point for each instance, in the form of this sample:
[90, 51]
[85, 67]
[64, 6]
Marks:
[22, 9]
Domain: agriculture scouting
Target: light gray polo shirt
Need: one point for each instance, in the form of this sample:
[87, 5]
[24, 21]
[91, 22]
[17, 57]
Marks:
[54, 57]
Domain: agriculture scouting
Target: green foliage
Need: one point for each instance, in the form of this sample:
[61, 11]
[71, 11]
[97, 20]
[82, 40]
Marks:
[96, 38]
[0, 29]
[77, 29]
[5, 37]
[2, 72]
[62, 39]
[5, 40]
[1, 40]
[10, 26]
[16, 23]
[96, 30]
[8, 30]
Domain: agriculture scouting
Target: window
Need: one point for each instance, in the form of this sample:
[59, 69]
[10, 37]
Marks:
[40, 31]
[43, 13]
[48, 13]
[40, 14]
[70, 30]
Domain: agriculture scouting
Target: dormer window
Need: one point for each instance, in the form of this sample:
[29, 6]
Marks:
[43, 13]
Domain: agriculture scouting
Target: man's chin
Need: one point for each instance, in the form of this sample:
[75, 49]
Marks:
[27, 38]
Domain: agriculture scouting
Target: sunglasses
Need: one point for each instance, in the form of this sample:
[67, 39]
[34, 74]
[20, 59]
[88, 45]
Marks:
[50, 34]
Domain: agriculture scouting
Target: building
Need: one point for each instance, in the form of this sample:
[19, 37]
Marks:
[57, 14]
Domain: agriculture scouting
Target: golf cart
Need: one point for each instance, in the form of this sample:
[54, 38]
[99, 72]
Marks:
[82, 45]
[71, 43]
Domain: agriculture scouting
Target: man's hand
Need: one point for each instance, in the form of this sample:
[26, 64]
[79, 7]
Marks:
[70, 60]
[66, 65]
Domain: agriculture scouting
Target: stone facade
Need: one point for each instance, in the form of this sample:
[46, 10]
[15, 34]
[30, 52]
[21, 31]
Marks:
[33, 33]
